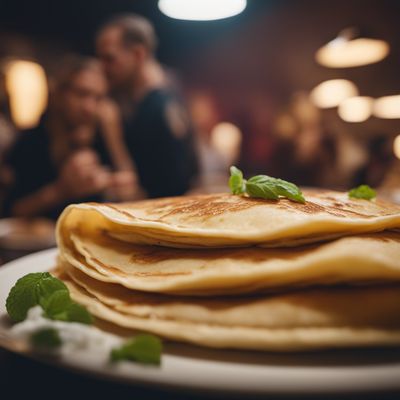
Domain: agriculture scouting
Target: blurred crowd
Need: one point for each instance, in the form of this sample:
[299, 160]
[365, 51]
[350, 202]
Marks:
[118, 128]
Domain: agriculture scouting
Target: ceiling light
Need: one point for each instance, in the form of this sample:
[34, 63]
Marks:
[201, 10]
[348, 50]
[331, 93]
[356, 109]
[387, 107]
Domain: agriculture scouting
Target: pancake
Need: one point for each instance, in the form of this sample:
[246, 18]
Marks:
[358, 259]
[295, 321]
[224, 220]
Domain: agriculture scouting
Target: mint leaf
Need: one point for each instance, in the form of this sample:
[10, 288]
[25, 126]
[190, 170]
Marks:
[56, 304]
[236, 181]
[47, 338]
[144, 348]
[50, 293]
[59, 306]
[362, 192]
[29, 291]
[75, 313]
[47, 286]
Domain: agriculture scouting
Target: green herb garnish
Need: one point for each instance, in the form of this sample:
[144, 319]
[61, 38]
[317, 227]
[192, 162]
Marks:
[46, 338]
[59, 306]
[263, 186]
[362, 192]
[236, 181]
[143, 348]
[50, 293]
[29, 291]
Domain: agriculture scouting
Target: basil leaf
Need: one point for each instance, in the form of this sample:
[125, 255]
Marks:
[261, 186]
[236, 181]
[362, 192]
[267, 187]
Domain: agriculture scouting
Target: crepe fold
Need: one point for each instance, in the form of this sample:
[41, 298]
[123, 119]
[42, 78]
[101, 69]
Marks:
[295, 321]
[231, 271]
[224, 220]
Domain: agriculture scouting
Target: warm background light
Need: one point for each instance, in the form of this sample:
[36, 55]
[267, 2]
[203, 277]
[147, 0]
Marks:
[387, 107]
[356, 109]
[201, 10]
[27, 87]
[396, 146]
[343, 53]
[331, 93]
[226, 138]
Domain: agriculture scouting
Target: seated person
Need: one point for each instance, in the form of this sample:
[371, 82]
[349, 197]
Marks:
[157, 129]
[64, 159]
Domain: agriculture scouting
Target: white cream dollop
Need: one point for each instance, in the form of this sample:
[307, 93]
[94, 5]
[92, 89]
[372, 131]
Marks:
[78, 340]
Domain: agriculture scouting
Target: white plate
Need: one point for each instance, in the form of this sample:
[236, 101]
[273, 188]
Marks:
[196, 368]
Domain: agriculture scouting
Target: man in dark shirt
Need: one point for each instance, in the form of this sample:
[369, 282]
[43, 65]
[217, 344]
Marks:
[157, 127]
[62, 159]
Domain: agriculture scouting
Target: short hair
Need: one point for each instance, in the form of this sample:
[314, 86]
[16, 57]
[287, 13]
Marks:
[135, 29]
[70, 66]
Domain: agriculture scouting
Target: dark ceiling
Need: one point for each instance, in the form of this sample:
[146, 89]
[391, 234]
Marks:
[73, 23]
[271, 45]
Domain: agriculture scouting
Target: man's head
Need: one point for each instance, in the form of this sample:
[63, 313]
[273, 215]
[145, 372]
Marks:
[124, 44]
[77, 90]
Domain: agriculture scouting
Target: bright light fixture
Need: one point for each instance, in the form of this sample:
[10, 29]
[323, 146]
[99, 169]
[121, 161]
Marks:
[356, 109]
[387, 107]
[201, 10]
[347, 50]
[27, 87]
[396, 146]
[331, 93]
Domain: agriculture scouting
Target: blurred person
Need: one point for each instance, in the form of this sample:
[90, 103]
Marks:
[64, 158]
[213, 170]
[157, 128]
[305, 153]
[380, 163]
[7, 135]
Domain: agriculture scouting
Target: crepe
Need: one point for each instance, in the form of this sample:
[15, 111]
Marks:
[351, 260]
[295, 321]
[224, 220]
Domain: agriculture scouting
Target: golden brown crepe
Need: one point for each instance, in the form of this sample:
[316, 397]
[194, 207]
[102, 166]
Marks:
[224, 220]
[355, 259]
[295, 321]
[283, 261]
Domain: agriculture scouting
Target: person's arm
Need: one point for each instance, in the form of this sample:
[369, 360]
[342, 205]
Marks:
[37, 203]
[80, 176]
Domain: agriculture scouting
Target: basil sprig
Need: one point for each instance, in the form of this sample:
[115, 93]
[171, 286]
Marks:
[264, 187]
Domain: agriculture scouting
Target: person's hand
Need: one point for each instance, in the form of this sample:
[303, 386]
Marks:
[124, 186]
[82, 175]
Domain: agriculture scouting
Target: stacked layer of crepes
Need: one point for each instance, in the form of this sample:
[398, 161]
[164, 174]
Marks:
[173, 267]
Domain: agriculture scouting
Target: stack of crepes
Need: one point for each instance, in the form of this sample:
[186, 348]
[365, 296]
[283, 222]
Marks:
[237, 272]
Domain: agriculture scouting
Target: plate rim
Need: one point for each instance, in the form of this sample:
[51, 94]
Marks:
[126, 373]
